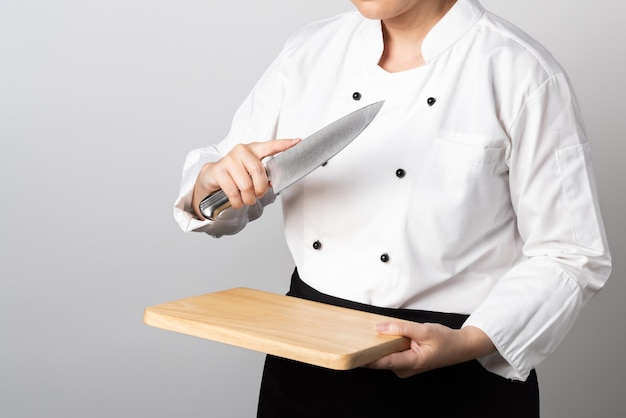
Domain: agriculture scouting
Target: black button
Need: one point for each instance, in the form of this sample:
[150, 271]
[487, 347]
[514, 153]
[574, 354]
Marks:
[384, 258]
[356, 95]
[400, 173]
[317, 245]
[431, 101]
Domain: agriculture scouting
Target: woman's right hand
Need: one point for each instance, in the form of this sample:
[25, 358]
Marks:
[240, 174]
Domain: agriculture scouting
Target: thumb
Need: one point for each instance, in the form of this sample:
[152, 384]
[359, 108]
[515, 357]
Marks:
[392, 328]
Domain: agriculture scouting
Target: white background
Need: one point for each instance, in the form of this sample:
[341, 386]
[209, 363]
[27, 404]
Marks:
[99, 103]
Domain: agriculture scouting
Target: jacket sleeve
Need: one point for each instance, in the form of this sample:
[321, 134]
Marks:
[255, 120]
[566, 257]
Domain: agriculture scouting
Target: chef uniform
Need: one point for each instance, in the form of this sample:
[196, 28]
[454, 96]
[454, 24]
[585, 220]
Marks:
[471, 194]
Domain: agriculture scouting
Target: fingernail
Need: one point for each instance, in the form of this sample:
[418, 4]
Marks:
[382, 327]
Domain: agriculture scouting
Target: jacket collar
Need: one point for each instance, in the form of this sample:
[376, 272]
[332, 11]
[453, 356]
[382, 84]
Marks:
[456, 23]
[453, 25]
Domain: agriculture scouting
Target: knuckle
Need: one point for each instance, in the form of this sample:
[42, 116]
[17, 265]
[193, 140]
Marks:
[232, 193]
[224, 165]
[219, 169]
[249, 200]
[239, 148]
[246, 186]
[257, 169]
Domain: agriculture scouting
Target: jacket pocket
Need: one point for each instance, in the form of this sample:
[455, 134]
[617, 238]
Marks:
[473, 158]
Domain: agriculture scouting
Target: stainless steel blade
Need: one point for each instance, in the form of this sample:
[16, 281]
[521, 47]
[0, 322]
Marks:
[291, 165]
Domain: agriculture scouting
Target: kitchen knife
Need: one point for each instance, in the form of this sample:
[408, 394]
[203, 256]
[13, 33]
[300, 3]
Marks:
[291, 165]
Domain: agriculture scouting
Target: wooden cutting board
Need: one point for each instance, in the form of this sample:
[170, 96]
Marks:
[311, 332]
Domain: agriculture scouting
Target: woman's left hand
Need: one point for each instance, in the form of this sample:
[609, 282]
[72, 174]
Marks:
[432, 346]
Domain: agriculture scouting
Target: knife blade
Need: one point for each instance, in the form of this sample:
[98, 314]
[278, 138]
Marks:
[291, 165]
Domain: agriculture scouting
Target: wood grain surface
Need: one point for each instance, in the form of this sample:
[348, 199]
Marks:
[311, 332]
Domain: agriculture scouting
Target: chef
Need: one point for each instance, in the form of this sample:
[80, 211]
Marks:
[467, 208]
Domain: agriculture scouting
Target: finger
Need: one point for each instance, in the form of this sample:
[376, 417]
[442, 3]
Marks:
[250, 179]
[397, 362]
[256, 169]
[225, 181]
[244, 178]
[259, 182]
[241, 174]
[269, 148]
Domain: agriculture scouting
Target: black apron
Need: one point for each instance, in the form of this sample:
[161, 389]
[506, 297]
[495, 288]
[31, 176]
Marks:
[290, 389]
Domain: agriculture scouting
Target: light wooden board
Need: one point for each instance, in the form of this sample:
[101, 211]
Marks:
[297, 329]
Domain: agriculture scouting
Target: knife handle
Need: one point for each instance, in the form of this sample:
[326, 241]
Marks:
[212, 205]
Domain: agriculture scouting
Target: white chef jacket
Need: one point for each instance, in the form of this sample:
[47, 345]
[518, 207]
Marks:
[471, 192]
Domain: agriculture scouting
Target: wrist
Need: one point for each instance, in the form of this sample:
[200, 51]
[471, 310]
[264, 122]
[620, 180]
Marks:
[475, 342]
